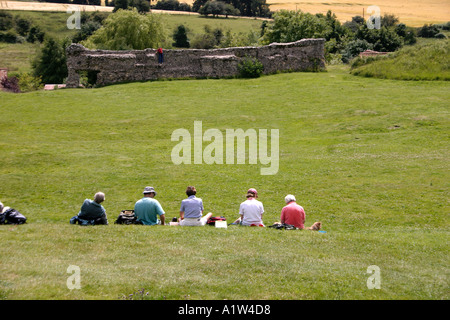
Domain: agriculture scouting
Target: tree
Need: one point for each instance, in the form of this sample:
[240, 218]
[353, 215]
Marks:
[6, 20]
[180, 37]
[120, 4]
[126, 30]
[50, 65]
[35, 34]
[289, 26]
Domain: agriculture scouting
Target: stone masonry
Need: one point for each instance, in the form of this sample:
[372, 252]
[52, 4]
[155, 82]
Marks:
[111, 67]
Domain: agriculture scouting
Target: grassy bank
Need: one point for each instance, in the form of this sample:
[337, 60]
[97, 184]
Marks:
[367, 157]
[429, 60]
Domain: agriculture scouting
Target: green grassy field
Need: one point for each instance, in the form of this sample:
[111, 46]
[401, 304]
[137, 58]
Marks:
[366, 157]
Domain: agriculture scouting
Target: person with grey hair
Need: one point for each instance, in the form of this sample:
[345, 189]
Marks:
[292, 213]
[93, 210]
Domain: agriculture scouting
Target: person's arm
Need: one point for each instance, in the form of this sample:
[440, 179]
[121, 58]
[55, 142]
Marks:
[163, 219]
[181, 215]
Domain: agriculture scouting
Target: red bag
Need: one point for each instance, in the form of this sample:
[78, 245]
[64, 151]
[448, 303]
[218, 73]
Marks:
[212, 221]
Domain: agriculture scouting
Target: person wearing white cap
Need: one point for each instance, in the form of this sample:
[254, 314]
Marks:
[148, 209]
[251, 210]
[293, 213]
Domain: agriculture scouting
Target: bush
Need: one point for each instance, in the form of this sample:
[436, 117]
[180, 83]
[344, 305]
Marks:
[28, 82]
[10, 84]
[50, 64]
[428, 31]
[250, 68]
[354, 48]
[180, 37]
[440, 36]
[9, 37]
[35, 34]
[6, 20]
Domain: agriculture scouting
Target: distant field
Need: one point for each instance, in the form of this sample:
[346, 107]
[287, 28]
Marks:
[414, 13]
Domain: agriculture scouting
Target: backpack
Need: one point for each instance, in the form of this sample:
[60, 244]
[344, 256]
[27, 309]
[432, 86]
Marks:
[84, 222]
[12, 216]
[212, 221]
[127, 217]
[283, 226]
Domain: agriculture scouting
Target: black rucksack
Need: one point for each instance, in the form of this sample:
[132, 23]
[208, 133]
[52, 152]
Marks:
[127, 217]
[12, 216]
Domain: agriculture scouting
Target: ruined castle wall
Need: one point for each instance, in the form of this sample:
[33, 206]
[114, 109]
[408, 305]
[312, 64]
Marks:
[142, 65]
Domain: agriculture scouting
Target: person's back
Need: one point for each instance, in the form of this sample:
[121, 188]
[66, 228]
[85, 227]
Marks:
[293, 213]
[93, 210]
[251, 210]
[148, 209]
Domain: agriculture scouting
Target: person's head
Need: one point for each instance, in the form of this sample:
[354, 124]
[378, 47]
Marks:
[191, 191]
[149, 192]
[289, 198]
[99, 197]
[252, 193]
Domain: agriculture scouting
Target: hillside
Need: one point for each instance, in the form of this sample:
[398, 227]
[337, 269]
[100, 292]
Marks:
[366, 157]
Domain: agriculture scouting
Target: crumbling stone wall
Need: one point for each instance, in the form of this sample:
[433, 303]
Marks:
[142, 65]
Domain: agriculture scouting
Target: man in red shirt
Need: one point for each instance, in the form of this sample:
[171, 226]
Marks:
[292, 213]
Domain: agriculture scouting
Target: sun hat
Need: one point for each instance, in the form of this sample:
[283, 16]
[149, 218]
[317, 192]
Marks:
[149, 190]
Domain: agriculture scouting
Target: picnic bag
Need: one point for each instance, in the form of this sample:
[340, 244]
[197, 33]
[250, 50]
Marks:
[212, 221]
[127, 217]
[12, 216]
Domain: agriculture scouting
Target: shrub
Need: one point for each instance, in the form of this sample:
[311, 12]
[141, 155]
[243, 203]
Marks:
[180, 37]
[354, 48]
[250, 68]
[9, 36]
[28, 82]
[6, 20]
[428, 31]
[50, 64]
[10, 84]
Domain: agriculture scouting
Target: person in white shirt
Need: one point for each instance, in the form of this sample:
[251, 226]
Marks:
[251, 210]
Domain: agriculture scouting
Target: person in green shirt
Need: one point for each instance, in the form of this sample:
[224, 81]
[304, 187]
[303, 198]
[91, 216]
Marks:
[148, 209]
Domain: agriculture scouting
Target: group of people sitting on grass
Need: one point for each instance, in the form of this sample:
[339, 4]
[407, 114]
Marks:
[148, 211]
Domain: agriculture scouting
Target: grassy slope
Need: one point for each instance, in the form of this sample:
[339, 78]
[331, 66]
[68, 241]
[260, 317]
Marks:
[429, 60]
[366, 157]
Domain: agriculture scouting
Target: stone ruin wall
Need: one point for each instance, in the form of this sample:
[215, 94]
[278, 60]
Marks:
[142, 65]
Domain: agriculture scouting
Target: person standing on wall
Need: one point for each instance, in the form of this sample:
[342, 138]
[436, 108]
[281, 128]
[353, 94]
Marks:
[160, 55]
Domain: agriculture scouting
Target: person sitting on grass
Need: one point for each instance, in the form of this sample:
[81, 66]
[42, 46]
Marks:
[148, 209]
[292, 213]
[251, 210]
[93, 210]
[191, 210]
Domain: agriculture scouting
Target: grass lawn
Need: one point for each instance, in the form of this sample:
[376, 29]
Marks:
[366, 157]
